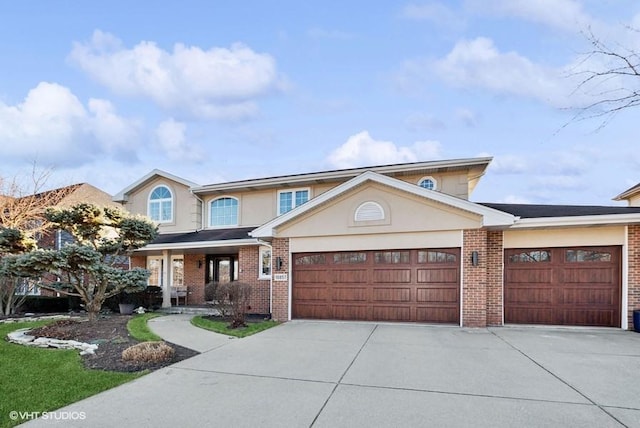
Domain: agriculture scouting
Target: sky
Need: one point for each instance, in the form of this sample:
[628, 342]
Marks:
[214, 91]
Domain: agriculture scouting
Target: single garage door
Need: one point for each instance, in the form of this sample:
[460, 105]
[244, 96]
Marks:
[403, 285]
[563, 286]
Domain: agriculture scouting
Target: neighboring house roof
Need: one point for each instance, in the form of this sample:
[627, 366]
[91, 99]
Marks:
[532, 216]
[628, 193]
[538, 211]
[203, 239]
[396, 170]
[490, 216]
[121, 196]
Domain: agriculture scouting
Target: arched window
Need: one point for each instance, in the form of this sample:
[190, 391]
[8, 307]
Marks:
[161, 205]
[368, 211]
[223, 212]
[428, 183]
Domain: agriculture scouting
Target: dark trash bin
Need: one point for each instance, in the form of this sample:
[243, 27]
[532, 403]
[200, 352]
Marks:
[636, 320]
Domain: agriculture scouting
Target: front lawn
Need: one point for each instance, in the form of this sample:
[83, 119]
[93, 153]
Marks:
[139, 329]
[222, 326]
[40, 380]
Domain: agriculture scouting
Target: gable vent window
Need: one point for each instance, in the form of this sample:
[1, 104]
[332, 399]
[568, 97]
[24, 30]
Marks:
[369, 211]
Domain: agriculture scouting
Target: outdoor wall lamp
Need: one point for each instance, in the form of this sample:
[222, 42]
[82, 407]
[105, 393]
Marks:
[278, 263]
[474, 258]
[199, 264]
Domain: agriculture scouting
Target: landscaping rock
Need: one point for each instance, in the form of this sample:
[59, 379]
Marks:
[22, 338]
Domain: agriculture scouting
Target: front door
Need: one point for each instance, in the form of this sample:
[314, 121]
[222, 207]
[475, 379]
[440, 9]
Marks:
[222, 268]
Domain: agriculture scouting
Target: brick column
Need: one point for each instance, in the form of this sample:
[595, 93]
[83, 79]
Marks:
[474, 280]
[194, 277]
[633, 296]
[138, 261]
[495, 280]
[249, 273]
[281, 288]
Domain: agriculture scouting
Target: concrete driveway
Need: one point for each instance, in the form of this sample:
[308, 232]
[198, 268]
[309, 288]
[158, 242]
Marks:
[330, 374]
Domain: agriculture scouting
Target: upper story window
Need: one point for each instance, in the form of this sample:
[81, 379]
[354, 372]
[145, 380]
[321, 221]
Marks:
[428, 183]
[223, 212]
[289, 199]
[161, 205]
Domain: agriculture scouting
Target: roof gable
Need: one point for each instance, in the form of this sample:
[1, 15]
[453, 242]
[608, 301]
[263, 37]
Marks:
[122, 195]
[629, 193]
[490, 216]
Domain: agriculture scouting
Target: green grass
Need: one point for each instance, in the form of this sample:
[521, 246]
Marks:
[221, 327]
[139, 329]
[40, 380]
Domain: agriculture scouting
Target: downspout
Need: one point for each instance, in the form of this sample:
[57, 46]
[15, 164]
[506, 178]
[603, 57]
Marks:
[266, 244]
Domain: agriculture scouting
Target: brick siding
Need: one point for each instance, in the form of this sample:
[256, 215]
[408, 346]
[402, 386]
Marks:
[495, 270]
[474, 280]
[249, 273]
[633, 295]
[281, 288]
[194, 278]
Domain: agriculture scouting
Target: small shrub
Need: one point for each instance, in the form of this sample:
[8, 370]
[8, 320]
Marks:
[210, 291]
[148, 352]
[232, 300]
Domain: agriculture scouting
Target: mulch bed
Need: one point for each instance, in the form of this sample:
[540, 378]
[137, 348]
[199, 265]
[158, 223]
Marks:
[111, 334]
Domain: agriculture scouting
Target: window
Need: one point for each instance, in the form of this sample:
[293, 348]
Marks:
[349, 258]
[369, 211]
[425, 256]
[581, 256]
[177, 271]
[531, 256]
[154, 266]
[427, 183]
[289, 199]
[312, 259]
[161, 205]
[264, 262]
[223, 212]
[392, 257]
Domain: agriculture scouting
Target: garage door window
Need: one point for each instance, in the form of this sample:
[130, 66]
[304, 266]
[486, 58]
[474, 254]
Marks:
[349, 258]
[436, 257]
[579, 256]
[531, 256]
[312, 259]
[392, 257]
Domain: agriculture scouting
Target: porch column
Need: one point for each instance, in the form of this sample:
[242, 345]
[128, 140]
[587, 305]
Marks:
[166, 286]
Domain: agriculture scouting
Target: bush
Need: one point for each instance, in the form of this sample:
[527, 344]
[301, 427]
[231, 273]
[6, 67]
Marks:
[210, 291]
[232, 300]
[148, 352]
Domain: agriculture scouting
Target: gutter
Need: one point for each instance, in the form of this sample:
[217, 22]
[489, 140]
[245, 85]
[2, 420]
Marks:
[590, 220]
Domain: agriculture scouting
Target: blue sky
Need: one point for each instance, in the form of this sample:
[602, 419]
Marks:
[211, 91]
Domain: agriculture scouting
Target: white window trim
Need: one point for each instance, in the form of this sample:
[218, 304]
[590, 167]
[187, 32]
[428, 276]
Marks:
[224, 226]
[293, 191]
[428, 177]
[160, 273]
[171, 279]
[173, 204]
[260, 266]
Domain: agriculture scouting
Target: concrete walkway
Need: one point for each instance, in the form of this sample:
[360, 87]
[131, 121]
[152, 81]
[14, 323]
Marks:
[333, 374]
[179, 330]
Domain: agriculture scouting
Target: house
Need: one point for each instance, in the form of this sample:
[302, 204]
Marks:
[27, 212]
[392, 243]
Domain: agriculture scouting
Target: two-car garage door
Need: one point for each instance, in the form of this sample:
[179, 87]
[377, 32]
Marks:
[563, 286]
[400, 285]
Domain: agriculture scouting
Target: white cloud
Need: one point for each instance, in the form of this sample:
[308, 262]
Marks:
[514, 199]
[433, 12]
[565, 15]
[478, 63]
[172, 139]
[53, 126]
[468, 117]
[509, 164]
[423, 122]
[219, 83]
[362, 150]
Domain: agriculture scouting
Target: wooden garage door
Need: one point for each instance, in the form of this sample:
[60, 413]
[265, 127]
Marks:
[563, 286]
[402, 285]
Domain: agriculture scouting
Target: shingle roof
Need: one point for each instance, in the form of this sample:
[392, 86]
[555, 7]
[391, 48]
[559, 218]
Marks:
[204, 235]
[539, 211]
